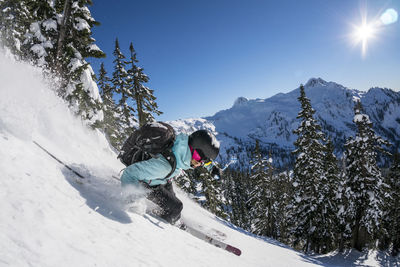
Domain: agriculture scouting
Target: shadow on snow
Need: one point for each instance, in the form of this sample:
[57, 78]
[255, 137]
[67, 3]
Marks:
[352, 257]
[102, 195]
[348, 258]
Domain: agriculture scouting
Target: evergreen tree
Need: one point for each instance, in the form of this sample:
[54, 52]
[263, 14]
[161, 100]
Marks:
[227, 188]
[237, 197]
[392, 205]
[56, 35]
[309, 206]
[15, 19]
[261, 197]
[343, 228]
[143, 96]
[328, 190]
[37, 44]
[74, 44]
[214, 200]
[120, 86]
[283, 190]
[111, 122]
[364, 180]
[205, 189]
[186, 183]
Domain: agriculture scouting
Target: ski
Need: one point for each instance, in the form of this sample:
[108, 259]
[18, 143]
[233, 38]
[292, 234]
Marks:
[200, 235]
[207, 238]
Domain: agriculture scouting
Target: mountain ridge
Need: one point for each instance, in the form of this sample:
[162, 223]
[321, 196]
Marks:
[272, 120]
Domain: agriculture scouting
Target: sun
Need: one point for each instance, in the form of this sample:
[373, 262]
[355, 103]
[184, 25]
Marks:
[363, 33]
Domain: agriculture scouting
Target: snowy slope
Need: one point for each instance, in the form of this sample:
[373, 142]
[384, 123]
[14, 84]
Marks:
[49, 217]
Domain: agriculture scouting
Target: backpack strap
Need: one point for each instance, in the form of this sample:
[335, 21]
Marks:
[170, 157]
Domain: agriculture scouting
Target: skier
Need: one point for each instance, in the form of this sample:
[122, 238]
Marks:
[191, 151]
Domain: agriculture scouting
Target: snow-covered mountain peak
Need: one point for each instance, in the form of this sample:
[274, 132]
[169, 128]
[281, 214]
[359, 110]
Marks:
[377, 94]
[240, 101]
[272, 120]
[314, 82]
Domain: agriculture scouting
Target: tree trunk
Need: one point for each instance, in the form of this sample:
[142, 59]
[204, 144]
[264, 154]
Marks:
[307, 247]
[359, 237]
[62, 35]
[396, 247]
[141, 117]
[341, 242]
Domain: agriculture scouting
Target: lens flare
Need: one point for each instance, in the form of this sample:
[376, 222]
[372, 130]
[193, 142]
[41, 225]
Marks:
[372, 28]
[389, 16]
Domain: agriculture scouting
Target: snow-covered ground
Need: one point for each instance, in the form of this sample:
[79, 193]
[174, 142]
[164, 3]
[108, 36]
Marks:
[50, 217]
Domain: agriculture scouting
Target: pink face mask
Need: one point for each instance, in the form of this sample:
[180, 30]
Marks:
[195, 155]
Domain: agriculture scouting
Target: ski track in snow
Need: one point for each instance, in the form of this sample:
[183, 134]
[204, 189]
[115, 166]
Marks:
[49, 217]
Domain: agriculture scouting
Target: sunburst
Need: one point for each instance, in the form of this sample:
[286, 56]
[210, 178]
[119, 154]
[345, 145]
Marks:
[362, 34]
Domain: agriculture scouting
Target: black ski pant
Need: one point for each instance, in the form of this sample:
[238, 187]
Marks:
[164, 197]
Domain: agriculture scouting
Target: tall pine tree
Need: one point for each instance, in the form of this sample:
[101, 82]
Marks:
[237, 197]
[74, 44]
[343, 228]
[392, 205]
[111, 122]
[143, 96]
[328, 189]
[121, 86]
[309, 205]
[211, 189]
[364, 180]
[262, 197]
[283, 189]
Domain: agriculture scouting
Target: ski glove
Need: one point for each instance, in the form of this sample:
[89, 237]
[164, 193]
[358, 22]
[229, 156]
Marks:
[216, 171]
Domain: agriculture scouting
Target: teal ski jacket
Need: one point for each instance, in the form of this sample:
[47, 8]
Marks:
[154, 170]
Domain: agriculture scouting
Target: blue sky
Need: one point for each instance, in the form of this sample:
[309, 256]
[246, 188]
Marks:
[202, 55]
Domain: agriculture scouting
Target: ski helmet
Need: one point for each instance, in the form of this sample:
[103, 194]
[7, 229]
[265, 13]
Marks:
[205, 144]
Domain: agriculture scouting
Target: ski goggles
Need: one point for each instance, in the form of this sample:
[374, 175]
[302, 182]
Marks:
[196, 156]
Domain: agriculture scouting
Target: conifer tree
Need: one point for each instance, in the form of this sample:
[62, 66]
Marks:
[74, 44]
[185, 182]
[237, 197]
[38, 45]
[343, 228]
[227, 193]
[143, 96]
[309, 206]
[120, 86]
[214, 200]
[56, 35]
[328, 189]
[392, 205]
[283, 190]
[15, 19]
[111, 122]
[364, 180]
[261, 196]
[205, 189]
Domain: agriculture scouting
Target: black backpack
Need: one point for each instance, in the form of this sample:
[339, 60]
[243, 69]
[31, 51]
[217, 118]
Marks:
[146, 142]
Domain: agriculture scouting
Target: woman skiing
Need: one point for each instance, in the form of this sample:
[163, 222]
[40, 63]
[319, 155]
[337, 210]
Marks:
[191, 151]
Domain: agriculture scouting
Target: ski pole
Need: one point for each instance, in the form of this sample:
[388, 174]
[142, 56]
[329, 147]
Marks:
[54, 157]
